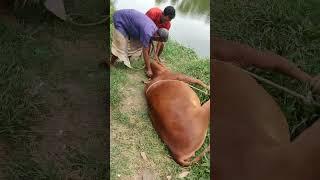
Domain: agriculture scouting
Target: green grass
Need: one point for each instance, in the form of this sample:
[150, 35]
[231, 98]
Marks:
[85, 161]
[131, 128]
[118, 77]
[23, 166]
[288, 28]
[19, 104]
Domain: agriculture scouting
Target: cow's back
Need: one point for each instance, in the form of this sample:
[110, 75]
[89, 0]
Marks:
[246, 120]
[173, 106]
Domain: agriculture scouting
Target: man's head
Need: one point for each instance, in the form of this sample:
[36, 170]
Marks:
[168, 14]
[162, 35]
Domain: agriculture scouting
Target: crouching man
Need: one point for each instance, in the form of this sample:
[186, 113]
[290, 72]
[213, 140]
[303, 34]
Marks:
[133, 34]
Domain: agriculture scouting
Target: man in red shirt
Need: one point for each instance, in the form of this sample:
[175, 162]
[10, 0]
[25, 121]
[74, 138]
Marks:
[162, 20]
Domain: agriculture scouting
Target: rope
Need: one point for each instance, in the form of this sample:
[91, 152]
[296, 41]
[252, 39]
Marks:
[204, 92]
[307, 100]
[69, 19]
[137, 69]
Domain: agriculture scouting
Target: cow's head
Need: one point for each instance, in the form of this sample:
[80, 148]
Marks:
[157, 69]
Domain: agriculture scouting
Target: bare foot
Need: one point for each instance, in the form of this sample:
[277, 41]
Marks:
[146, 82]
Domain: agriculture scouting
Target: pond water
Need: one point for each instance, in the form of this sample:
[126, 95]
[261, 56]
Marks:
[190, 27]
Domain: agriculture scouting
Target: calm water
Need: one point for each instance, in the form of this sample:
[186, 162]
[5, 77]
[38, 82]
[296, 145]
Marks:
[190, 27]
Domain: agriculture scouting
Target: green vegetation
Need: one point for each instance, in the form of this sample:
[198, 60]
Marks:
[17, 105]
[288, 28]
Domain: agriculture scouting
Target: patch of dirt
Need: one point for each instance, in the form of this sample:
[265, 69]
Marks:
[74, 114]
[133, 94]
[76, 110]
[144, 174]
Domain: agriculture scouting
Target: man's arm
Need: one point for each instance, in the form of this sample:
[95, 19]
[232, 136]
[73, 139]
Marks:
[146, 57]
[157, 50]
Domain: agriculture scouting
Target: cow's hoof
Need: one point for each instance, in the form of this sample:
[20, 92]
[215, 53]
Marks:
[145, 82]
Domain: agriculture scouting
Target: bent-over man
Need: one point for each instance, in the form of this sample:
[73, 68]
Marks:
[133, 34]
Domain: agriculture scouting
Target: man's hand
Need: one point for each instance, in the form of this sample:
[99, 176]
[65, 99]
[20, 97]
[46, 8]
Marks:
[149, 73]
[146, 57]
[315, 84]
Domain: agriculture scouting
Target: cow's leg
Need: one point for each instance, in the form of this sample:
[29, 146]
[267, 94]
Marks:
[205, 108]
[315, 83]
[305, 153]
[182, 161]
[244, 55]
[187, 79]
[187, 160]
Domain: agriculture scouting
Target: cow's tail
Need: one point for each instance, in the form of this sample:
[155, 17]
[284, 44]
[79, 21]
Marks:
[187, 162]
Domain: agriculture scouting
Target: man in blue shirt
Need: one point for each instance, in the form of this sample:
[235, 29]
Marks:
[133, 34]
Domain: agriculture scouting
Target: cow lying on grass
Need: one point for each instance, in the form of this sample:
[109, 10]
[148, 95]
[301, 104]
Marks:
[250, 132]
[251, 135]
[176, 113]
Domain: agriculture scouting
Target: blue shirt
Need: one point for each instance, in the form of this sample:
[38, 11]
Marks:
[134, 24]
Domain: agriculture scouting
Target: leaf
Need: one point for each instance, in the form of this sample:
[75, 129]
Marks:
[144, 157]
[183, 174]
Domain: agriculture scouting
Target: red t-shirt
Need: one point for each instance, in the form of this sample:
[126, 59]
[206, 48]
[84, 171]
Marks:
[155, 14]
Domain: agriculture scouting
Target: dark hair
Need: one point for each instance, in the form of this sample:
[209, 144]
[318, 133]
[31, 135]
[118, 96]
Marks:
[169, 11]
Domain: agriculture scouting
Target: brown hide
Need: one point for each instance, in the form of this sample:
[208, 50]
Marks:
[251, 136]
[176, 113]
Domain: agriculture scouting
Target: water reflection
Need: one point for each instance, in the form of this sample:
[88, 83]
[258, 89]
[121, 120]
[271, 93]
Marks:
[199, 8]
[174, 2]
[191, 25]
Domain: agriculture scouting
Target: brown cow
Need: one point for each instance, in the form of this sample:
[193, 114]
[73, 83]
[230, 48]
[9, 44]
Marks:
[251, 135]
[250, 132]
[176, 113]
